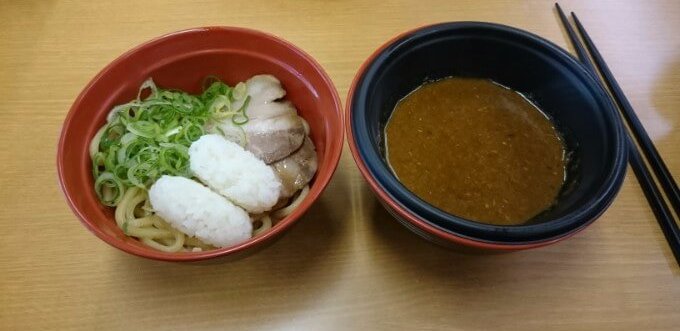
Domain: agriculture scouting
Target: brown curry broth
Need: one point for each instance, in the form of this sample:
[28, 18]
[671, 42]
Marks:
[477, 150]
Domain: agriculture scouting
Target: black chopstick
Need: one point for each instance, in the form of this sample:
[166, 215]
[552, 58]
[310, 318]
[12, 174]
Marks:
[580, 51]
[661, 210]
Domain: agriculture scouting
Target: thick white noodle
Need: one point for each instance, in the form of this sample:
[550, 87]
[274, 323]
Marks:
[283, 212]
[266, 224]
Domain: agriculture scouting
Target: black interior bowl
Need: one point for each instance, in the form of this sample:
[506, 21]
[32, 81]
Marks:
[546, 74]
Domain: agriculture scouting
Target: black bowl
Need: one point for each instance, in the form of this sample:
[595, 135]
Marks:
[546, 74]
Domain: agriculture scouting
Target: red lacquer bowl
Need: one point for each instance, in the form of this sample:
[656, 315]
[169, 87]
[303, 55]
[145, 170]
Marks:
[182, 60]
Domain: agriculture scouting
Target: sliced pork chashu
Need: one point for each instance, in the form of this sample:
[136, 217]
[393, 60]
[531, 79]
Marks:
[296, 170]
[274, 130]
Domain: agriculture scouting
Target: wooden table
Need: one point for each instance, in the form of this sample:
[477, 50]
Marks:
[347, 265]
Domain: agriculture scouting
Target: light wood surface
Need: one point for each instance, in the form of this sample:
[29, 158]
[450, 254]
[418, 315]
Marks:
[347, 265]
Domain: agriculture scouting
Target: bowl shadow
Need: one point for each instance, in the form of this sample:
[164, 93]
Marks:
[461, 264]
[469, 281]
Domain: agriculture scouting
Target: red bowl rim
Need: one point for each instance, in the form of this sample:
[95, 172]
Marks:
[396, 206]
[320, 182]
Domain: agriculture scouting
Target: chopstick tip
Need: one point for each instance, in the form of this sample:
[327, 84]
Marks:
[576, 20]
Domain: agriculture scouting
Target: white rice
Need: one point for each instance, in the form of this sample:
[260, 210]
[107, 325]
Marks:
[235, 173]
[197, 211]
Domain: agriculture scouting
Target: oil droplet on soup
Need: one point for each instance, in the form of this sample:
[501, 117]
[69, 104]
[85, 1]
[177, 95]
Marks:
[477, 150]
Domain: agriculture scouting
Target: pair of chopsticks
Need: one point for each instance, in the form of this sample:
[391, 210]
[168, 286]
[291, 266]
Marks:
[663, 214]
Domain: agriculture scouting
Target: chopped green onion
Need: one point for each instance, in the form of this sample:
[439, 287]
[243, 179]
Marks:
[140, 174]
[192, 132]
[120, 172]
[144, 129]
[174, 158]
[147, 84]
[109, 189]
[110, 161]
[221, 106]
[98, 163]
[215, 89]
[110, 136]
[173, 132]
[241, 118]
[150, 136]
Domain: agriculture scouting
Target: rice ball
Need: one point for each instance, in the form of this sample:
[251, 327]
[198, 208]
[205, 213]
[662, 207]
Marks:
[235, 173]
[197, 211]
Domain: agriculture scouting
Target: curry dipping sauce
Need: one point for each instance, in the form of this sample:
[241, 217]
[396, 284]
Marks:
[477, 150]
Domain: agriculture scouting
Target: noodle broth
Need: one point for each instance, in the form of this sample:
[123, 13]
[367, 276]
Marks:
[477, 150]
